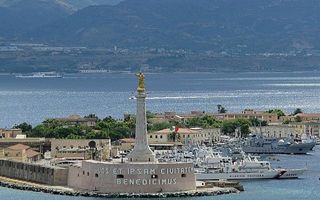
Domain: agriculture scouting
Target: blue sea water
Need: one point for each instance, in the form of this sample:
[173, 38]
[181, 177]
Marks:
[33, 100]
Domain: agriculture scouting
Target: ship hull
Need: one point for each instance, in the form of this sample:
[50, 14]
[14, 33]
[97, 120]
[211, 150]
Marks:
[291, 173]
[238, 176]
[301, 148]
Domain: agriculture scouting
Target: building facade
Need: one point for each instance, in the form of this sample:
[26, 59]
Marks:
[81, 149]
[20, 152]
[185, 135]
[277, 131]
[10, 133]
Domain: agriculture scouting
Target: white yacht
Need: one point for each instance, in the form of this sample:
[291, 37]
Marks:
[217, 167]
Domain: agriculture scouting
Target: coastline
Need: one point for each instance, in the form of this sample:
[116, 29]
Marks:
[66, 191]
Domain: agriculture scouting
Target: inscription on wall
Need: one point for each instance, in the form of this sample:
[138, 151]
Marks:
[123, 179]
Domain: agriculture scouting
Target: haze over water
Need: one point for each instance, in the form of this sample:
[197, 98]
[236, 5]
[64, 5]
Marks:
[34, 100]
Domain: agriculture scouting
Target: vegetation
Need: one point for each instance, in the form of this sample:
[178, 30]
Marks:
[105, 128]
[25, 127]
[229, 126]
[221, 109]
[257, 122]
[276, 111]
[115, 129]
[297, 111]
[203, 122]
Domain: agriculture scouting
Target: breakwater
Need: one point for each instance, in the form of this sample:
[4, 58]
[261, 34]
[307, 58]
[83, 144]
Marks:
[56, 190]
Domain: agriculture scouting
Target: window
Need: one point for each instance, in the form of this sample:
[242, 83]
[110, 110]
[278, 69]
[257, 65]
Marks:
[150, 136]
[161, 136]
[96, 175]
[120, 176]
[88, 173]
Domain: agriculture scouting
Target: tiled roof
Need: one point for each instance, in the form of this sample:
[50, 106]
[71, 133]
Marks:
[30, 153]
[19, 147]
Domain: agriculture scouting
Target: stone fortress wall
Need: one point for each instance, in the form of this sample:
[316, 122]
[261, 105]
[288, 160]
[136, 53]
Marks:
[35, 173]
[132, 177]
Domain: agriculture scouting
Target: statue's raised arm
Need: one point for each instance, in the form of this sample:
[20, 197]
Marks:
[140, 76]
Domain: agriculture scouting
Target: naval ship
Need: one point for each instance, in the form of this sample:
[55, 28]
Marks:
[257, 144]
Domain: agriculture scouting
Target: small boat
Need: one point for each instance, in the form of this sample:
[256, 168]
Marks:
[40, 75]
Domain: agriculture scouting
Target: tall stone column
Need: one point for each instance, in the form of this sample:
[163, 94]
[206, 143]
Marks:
[141, 151]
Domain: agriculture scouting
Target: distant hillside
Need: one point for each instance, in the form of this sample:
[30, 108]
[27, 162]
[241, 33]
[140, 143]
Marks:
[18, 17]
[246, 25]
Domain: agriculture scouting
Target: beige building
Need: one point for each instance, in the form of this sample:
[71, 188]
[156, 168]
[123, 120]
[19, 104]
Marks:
[77, 120]
[81, 149]
[246, 114]
[10, 133]
[278, 131]
[249, 114]
[185, 135]
[127, 144]
[309, 128]
[20, 152]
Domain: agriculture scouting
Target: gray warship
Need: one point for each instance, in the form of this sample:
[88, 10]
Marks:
[257, 144]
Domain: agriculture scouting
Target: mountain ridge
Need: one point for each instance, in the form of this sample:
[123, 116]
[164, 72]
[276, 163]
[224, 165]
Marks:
[271, 25]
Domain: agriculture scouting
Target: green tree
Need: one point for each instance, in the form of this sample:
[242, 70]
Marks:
[297, 111]
[257, 122]
[202, 122]
[221, 109]
[159, 126]
[229, 126]
[25, 127]
[276, 111]
[91, 116]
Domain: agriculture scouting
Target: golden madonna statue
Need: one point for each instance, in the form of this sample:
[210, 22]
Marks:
[140, 76]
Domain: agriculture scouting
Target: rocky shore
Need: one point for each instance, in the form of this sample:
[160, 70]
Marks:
[24, 185]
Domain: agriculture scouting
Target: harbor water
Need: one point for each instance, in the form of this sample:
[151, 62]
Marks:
[34, 100]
